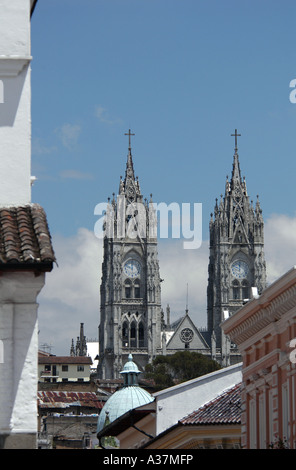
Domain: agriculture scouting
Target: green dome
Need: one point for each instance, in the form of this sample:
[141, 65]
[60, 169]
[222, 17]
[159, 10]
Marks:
[128, 397]
[130, 366]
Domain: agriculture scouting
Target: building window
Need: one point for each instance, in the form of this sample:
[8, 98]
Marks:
[80, 368]
[137, 290]
[245, 290]
[133, 335]
[65, 368]
[141, 335]
[235, 290]
[125, 334]
[128, 290]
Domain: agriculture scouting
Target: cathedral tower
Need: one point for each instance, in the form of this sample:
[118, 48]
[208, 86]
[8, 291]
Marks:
[130, 321]
[237, 260]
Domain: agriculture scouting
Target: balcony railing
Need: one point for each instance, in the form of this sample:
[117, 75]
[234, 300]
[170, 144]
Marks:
[49, 373]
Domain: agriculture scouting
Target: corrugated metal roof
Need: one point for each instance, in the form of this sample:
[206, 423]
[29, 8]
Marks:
[65, 399]
[225, 409]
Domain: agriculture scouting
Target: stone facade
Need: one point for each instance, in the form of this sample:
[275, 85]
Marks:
[236, 261]
[131, 317]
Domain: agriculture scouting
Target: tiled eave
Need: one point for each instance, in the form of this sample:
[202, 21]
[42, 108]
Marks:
[25, 241]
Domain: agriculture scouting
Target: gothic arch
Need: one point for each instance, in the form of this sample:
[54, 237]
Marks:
[133, 330]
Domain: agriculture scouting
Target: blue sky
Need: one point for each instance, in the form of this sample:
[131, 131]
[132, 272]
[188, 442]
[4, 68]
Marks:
[182, 75]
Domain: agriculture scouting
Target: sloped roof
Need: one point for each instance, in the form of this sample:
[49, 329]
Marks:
[224, 409]
[64, 399]
[25, 240]
[198, 342]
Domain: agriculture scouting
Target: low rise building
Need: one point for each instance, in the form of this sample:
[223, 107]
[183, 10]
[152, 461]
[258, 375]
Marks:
[64, 368]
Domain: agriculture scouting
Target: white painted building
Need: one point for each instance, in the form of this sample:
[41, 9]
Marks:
[176, 402]
[25, 253]
[142, 424]
[53, 369]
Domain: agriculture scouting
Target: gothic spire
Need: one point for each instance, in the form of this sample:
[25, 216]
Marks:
[236, 174]
[130, 185]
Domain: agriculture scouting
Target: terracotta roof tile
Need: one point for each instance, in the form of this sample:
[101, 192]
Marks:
[57, 399]
[24, 237]
[225, 409]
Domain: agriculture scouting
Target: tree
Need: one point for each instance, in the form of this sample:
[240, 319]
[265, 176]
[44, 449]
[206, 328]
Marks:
[166, 371]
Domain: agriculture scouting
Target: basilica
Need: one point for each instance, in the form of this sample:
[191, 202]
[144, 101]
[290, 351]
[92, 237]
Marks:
[132, 320]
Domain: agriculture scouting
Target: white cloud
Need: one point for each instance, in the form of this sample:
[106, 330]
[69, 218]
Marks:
[101, 114]
[179, 267]
[72, 292]
[77, 175]
[69, 134]
[38, 148]
[280, 245]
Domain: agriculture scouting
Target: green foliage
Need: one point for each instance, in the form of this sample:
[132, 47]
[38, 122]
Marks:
[166, 371]
[279, 443]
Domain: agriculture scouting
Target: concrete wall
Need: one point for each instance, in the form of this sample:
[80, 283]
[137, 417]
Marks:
[18, 372]
[15, 102]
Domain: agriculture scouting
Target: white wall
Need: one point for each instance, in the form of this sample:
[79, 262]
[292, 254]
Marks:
[176, 402]
[15, 102]
[19, 335]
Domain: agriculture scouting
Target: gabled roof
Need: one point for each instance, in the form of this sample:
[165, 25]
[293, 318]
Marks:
[199, 341]
[25, 241]
[224, 409]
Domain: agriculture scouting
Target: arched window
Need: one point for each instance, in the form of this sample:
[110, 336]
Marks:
[125, 341]
[128, 289]
[137, 290]
[245, 289]
[133, 336]
[141, 335]
[235, 290]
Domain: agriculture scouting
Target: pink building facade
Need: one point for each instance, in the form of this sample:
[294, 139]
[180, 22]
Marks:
[264, 330]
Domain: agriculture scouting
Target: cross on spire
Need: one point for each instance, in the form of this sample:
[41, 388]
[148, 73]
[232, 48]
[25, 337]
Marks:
[236, 135]
[129, 138]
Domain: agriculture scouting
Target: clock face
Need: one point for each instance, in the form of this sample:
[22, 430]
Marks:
[132, 268]
[239, 269]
